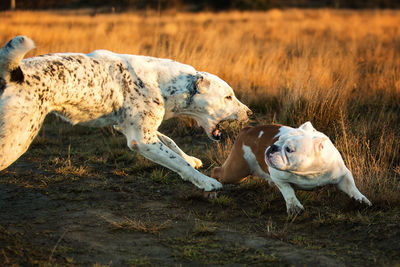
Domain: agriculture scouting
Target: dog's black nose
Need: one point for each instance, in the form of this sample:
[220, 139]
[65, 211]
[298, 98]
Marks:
[272, 149]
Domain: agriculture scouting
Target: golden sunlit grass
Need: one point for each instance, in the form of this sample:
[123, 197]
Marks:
[338, 69]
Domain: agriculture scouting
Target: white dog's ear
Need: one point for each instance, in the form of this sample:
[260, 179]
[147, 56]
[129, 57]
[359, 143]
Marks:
[202, 83]
[319, 143]
[307, 126]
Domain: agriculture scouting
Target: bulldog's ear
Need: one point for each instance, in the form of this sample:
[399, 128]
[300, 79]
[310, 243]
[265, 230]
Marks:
[307, 126]
[201, 83]
[319, 143]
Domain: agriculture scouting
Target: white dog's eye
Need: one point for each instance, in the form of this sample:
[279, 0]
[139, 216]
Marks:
[229, 97]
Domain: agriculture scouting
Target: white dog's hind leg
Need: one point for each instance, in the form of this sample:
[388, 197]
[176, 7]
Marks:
[293, 205]
[19, 124]
[348, 186]
[195, 162]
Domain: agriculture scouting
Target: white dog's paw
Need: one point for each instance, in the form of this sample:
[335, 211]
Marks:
[209, 184]
[363, 199]
[194, 162]
[294, 208]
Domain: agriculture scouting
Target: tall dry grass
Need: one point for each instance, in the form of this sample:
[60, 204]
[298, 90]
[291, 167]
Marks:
[338, 69]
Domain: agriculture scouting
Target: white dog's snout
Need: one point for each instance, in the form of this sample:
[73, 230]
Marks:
[244, 113]
[249, 113]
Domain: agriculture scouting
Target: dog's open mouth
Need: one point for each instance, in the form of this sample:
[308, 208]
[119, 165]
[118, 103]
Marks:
[217, 132]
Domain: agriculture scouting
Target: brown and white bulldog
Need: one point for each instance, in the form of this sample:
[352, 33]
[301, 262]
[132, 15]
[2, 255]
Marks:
[284, 155]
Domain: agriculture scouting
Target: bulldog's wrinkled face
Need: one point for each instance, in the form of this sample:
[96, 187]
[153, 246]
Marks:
[215, 102]
[302, 151]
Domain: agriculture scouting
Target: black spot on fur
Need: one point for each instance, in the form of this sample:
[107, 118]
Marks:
[58, 64]
[191, 87]
[9, 45]
[16, 75]
[189, 100]
[68, 58]
[121, 69]
[90, 83]
[157, 101]
[2, 85]
[140, 83]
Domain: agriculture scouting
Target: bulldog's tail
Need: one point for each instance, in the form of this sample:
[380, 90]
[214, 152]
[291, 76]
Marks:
[10, 56]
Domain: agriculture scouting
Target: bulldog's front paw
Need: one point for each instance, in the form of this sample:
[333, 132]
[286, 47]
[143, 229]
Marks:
[194, 162]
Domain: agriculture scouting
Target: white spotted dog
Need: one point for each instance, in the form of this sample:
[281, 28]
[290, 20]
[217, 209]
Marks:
[133, 93]
[288, 156]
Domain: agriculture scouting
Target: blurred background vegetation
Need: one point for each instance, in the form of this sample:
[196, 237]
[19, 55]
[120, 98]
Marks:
[195, 5]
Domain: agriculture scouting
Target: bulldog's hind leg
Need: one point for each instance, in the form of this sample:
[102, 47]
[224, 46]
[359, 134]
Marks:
[235, 168]
[19, 124]
[348, 186]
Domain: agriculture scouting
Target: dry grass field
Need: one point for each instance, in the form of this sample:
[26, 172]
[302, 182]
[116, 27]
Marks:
[79, 197]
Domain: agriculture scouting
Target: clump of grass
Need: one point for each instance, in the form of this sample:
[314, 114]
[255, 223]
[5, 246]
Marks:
[223, 200]
[164, 176]
[66, 168]
[73, 170]
[203, 228]
[139, 226]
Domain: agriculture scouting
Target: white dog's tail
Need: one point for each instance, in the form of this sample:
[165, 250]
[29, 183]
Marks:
[10, 56]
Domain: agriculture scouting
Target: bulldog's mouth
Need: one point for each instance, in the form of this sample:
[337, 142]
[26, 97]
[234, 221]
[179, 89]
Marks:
[267, 157]
[268, 161]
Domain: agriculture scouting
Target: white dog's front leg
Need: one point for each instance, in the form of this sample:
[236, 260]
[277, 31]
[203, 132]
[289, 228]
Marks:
[293, 205]
[160, 153]
[195, 162]
[348, 186]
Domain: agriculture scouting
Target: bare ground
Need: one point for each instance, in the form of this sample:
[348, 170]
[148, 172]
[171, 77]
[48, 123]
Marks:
[79, 197]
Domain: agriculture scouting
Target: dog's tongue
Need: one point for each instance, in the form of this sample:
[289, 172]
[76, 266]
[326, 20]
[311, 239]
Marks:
[216, 133]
